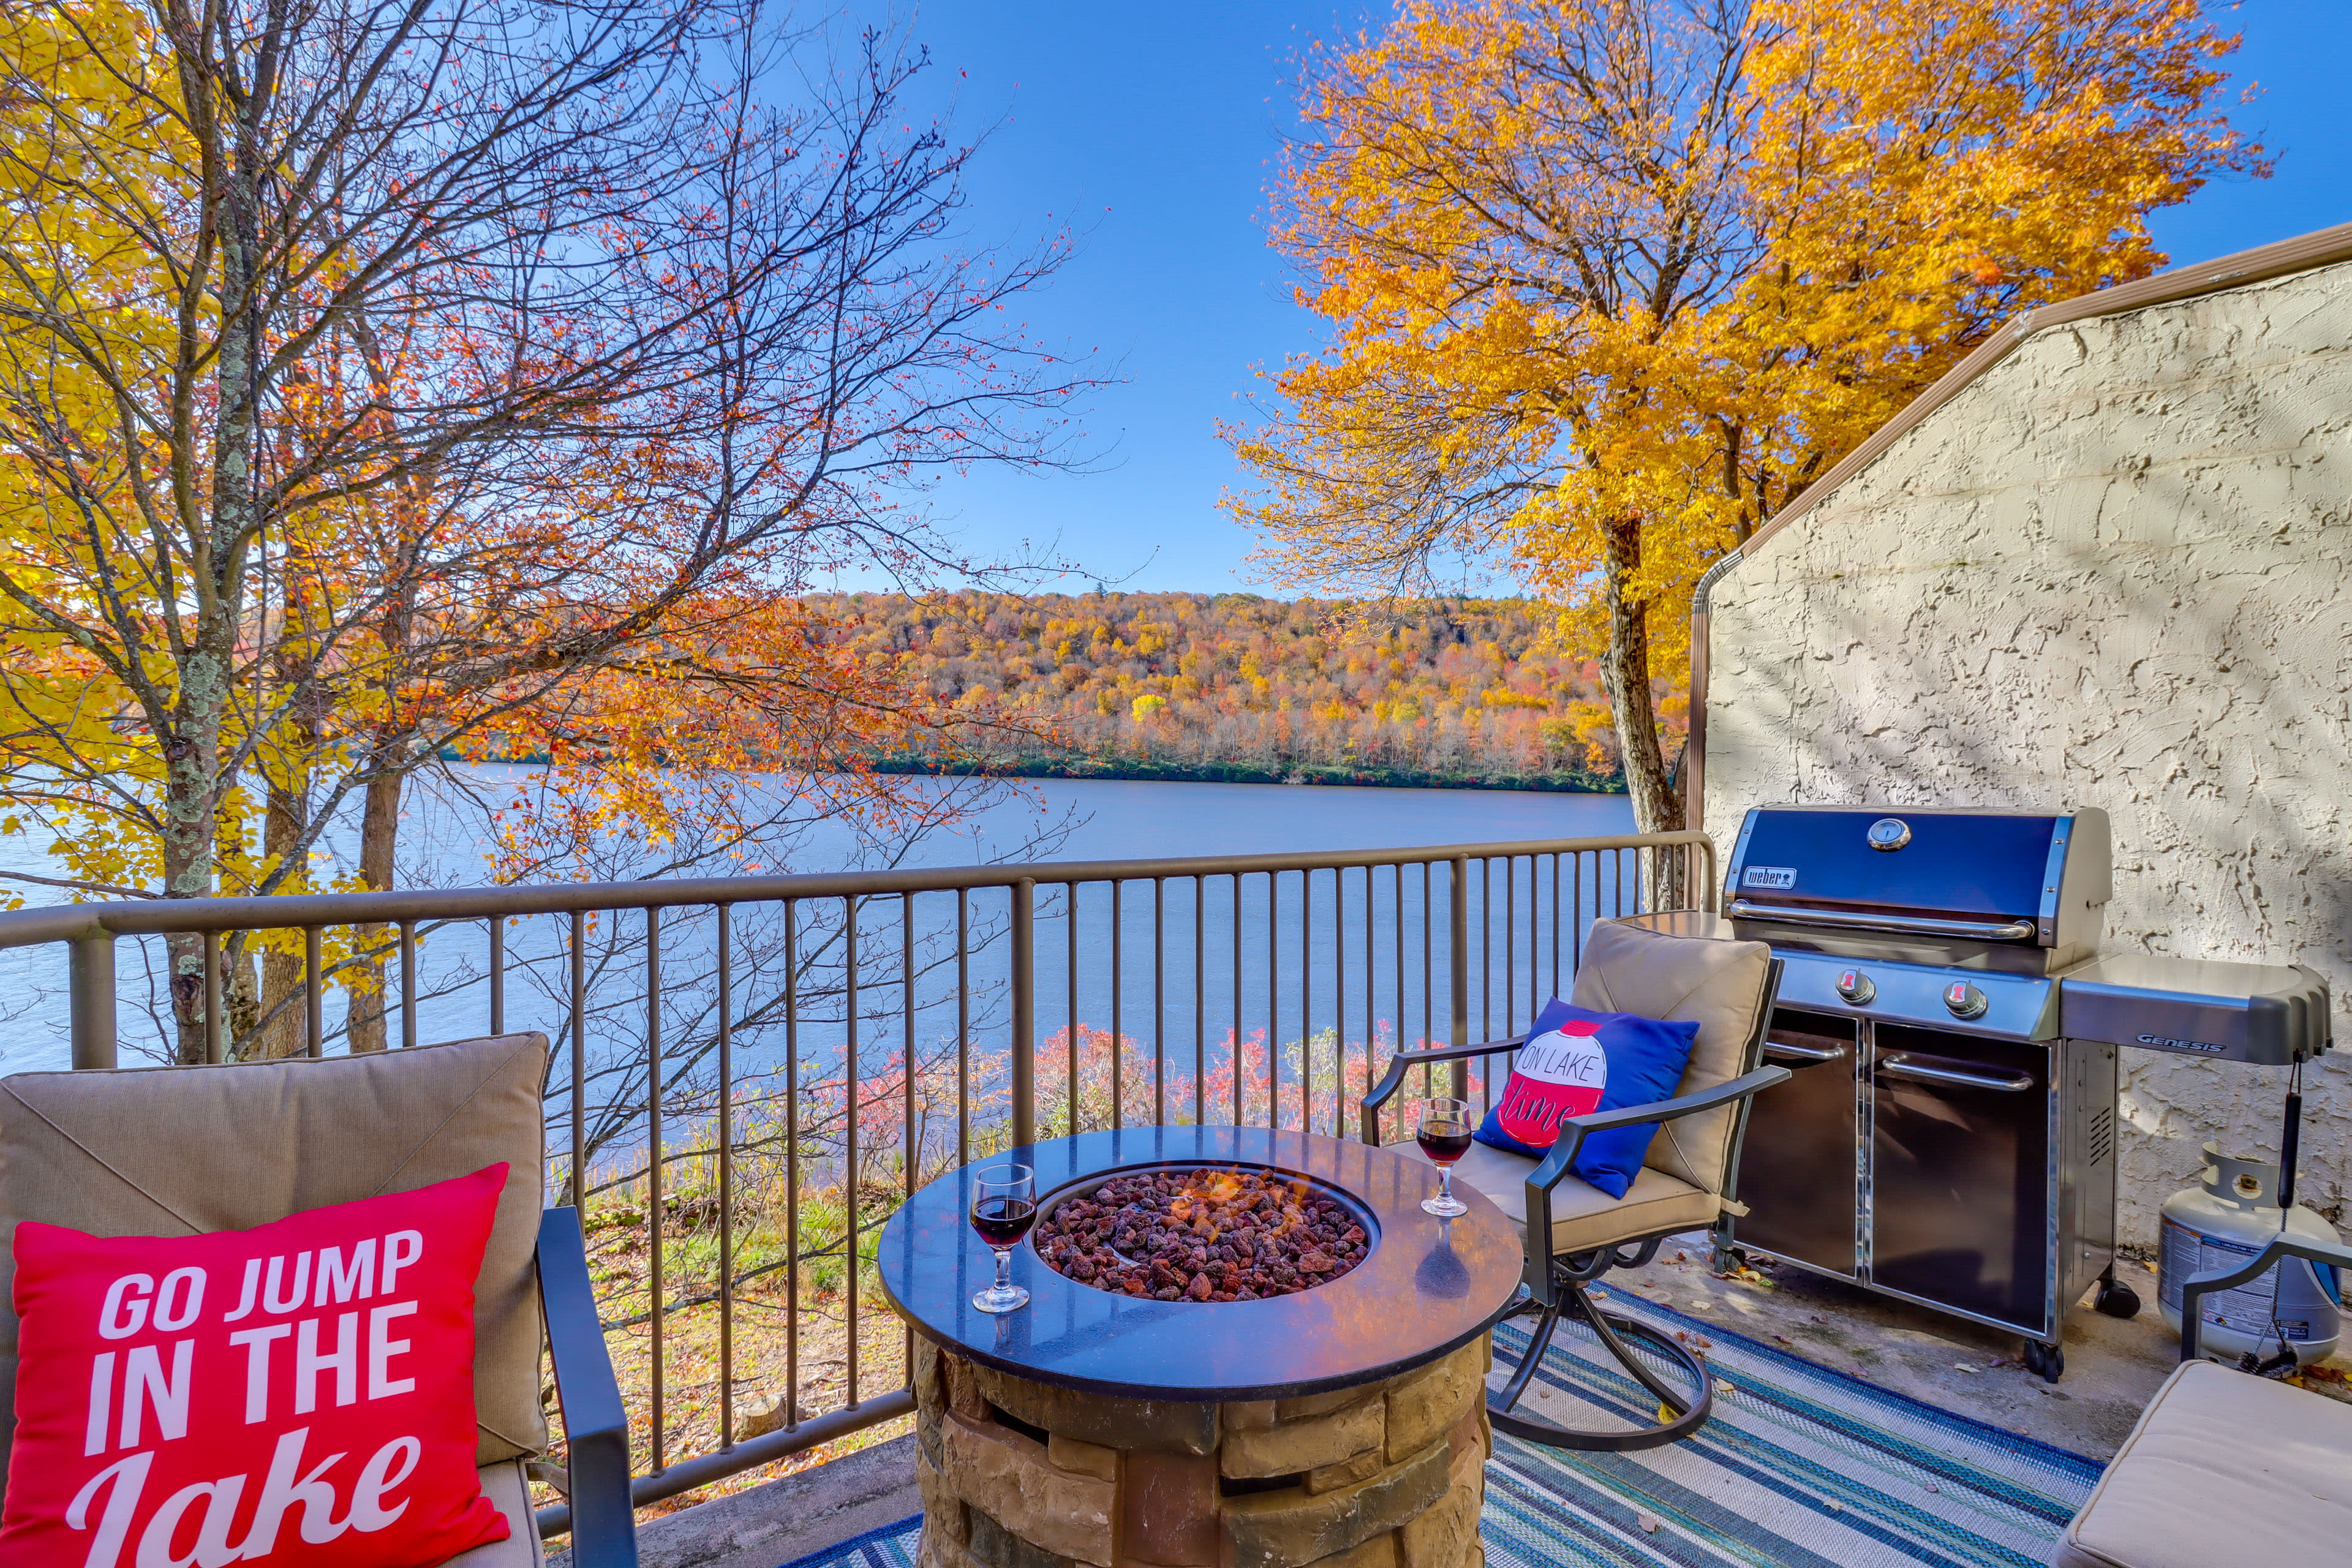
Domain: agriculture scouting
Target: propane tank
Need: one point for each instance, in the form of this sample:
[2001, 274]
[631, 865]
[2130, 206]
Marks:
[2222, 1223]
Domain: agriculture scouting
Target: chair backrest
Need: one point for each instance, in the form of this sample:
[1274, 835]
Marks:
[184, 1150]
[1716, 983]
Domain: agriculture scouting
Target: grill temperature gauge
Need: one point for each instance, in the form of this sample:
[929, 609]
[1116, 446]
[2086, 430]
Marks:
[1856, 987]
[1964, 1000]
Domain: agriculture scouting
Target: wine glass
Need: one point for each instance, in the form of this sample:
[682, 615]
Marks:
[1003, 1207]
[1442, 1128]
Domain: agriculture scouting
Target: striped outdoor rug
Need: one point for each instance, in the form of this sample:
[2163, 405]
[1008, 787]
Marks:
[1800, 1468]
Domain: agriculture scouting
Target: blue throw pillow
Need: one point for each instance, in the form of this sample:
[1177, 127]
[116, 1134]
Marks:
[1575, 1061]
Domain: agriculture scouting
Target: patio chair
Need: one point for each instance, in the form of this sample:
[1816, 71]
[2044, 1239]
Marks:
[187, 1149]
[2222, 1466]
[1573, 1232]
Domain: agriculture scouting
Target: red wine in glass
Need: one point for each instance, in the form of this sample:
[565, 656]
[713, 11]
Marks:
[1003, 1207]
[1003, 1221]
[1442, 1128]
[1444, 1143]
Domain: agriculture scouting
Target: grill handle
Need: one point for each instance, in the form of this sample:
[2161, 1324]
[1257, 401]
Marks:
[1892, 925]
[1900, 1065]
[1782, 1050]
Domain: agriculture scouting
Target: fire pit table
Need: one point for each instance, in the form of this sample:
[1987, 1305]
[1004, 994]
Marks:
[1342, 1423]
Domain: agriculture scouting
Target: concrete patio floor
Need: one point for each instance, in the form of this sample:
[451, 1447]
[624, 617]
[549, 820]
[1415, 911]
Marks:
[2113, 1366]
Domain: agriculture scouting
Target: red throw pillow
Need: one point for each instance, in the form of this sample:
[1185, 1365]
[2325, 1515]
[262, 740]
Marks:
[301, 1394]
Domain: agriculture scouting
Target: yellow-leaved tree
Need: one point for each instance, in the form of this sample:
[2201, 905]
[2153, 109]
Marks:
[1610, 281]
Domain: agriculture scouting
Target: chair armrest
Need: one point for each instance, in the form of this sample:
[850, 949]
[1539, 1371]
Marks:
[1402, 1062]
[1574, 1129]
[2197, 1287]
[595, 1426]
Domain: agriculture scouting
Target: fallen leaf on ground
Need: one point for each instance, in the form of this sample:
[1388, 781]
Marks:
[1962, 1366]
[1648, 1521]
[1723, 1386]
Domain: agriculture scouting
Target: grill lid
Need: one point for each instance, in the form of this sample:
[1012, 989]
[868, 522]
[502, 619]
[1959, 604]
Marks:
[1848, 877]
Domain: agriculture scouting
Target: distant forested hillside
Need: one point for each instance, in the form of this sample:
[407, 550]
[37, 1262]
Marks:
[1232, 686]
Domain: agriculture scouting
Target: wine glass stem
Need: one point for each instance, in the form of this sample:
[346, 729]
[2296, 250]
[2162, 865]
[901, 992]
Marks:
[1003, 1264]
[1445, 1182]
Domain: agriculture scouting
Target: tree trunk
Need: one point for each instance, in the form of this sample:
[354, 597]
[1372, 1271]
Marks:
[1625, 671]
[379, 835]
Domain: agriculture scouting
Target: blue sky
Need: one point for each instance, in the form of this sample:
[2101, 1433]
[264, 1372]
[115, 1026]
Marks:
[1153, 128]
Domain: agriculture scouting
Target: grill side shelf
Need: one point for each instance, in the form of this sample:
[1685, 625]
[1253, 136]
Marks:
[2268, 1015]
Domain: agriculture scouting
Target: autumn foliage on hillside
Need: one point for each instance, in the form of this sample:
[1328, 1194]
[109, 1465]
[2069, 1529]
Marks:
[1233, 686]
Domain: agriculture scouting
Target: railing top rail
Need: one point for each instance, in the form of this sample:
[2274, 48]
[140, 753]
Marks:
[152, 917]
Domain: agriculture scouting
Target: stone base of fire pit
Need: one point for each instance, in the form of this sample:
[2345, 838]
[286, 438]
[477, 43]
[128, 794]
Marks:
[1020, 1474]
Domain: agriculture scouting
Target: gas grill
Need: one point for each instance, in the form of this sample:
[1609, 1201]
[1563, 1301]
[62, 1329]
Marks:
[1948, 1133]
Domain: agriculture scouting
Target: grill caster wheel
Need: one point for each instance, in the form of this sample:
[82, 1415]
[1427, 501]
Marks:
[1729, 1260]
[2117, 1301]
[2048, 1361]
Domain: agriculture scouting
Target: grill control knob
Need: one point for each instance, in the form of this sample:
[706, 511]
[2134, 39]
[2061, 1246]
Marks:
[1856, 987]
[1963, 1000]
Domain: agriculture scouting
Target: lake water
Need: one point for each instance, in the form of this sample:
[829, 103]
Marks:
[1248, 985]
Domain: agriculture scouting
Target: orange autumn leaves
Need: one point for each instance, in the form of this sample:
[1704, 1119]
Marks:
[1610, 281]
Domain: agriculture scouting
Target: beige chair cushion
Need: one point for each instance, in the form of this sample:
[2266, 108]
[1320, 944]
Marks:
[505, 1485]
[2222, 1469]
[1582, 1216]
[183, 1151]
[1682, 979]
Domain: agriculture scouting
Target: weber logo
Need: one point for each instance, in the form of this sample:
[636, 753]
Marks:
[2167, 1043]
[1768, 877]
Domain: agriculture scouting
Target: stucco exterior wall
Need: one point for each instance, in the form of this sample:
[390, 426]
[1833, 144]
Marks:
[2114, 570]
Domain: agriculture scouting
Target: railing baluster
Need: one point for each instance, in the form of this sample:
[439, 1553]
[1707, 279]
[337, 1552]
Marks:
[1511, 945]
[90, 999]
[912, 1153]
[1339, 937]
[963, 1026]
[792, 1163]
[1200, 1001]
[216, 1042]
[314, 996]
[1273, 1009]
[1025, 1013]
[409, 978]
[1371, 988]
[849, 1180]
[1118, 1039]
[1555, 922]
[1576, 914]
[1237, 999]
[1428, 965]
[1070, 1014]
[726, 1177]
[658, 1286]
[1306, 1001]
[579, 1040]
[498, 975]
[1459, 962]
[1159, 1001]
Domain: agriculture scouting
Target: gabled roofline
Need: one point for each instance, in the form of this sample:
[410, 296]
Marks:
[2320, 248]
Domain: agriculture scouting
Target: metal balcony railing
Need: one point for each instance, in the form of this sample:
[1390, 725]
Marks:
[750, 1073]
